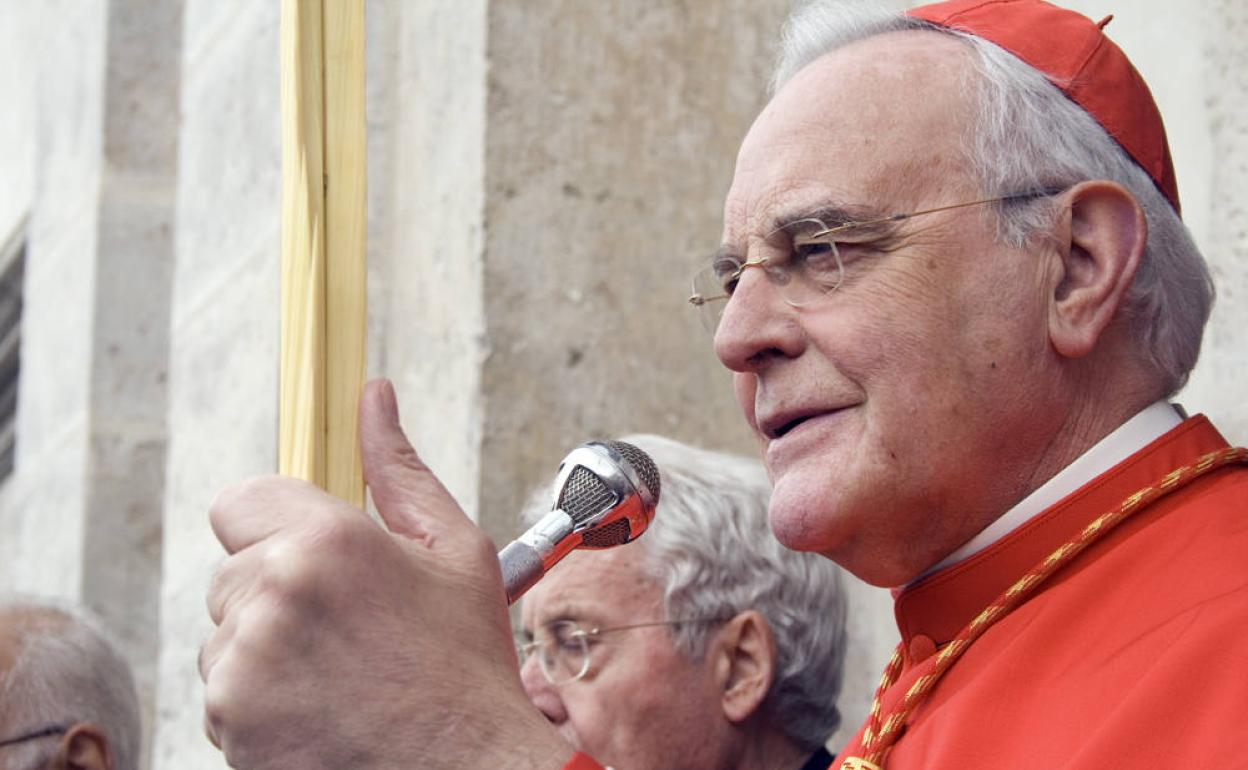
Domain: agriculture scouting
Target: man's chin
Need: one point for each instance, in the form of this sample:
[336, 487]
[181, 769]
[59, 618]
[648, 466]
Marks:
[799, 516]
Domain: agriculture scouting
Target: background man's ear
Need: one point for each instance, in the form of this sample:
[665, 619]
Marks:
[745, 664]
[84, 747]
[1101, 241]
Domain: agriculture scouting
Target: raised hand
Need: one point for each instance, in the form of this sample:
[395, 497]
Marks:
[340, 643]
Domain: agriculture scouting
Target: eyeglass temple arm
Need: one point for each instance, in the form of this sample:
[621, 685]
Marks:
[899, 217]
[41, 733]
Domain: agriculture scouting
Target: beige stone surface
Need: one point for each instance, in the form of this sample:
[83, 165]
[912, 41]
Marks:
[55, 71]
[543, 178]
[609, 150]
[1217, 385]
[223, 329]
[17, 134]
[430, 321]
[223, 432]
[129, 328]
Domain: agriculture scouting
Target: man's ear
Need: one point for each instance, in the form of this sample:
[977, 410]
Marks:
[84, 747]
[745, 664]
[1100, 242]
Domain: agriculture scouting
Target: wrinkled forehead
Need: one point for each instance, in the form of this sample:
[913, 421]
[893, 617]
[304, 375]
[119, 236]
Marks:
[593, 586]
[881, 122]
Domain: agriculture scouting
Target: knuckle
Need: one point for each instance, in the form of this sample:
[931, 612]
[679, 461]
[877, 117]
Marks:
[210, 731]
[287, 572]
[260, 638]
[298, 569]
[219, 703]
[216, 597]
[229, 497]
[203, 665]
[220, 507]
[227, 718]
[236, 496]
[339, 535]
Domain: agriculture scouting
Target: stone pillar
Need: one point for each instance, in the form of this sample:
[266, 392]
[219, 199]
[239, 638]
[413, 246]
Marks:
[1224, 364]
[134, 266]
[223, 330]
[609, 149]
[17, 121]
[92, 167]
[431, 314]
[42, 504]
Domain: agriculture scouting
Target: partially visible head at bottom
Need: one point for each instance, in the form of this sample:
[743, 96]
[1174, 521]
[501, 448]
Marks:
[67, 697]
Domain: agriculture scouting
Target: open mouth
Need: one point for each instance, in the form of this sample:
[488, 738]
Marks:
[781, 429]
[788, 426]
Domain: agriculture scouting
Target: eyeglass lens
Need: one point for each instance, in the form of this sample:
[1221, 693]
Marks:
[562, 651]
[813, 270]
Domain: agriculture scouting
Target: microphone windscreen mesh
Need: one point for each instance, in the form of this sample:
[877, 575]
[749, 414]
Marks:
[584, 494]
[641, 463]
[615, 533]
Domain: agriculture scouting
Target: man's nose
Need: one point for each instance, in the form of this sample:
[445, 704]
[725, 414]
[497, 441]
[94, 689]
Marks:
[757, 325]
[542, 693]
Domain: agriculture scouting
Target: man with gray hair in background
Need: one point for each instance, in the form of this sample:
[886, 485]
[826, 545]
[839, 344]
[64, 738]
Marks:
[705, 642]
[67, 697]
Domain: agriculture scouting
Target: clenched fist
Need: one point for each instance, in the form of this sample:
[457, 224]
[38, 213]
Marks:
[343, 644]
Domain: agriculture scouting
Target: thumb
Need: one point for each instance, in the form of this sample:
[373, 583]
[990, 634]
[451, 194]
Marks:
[409, 498]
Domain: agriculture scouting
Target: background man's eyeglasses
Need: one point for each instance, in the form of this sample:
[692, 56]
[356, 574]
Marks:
[562, 647]
[42, 732]
[812, 270]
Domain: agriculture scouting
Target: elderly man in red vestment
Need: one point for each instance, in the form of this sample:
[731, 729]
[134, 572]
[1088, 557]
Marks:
[956, 295]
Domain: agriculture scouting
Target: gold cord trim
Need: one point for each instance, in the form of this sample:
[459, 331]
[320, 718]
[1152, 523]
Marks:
[877, 740]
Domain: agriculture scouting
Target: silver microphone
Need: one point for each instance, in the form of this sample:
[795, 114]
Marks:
[605, 494]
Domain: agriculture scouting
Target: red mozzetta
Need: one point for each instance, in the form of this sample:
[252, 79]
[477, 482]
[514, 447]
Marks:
[1127, 657]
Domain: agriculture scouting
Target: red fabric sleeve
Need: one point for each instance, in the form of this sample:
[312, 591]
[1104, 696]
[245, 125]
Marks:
[581, 761]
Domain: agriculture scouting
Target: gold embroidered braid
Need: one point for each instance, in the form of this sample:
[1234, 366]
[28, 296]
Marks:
[877, 739]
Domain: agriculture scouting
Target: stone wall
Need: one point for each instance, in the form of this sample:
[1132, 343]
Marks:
[1218, 381]
[55, 168]
[89, 166]
[543, 177]
[223, 327]
[129, 330]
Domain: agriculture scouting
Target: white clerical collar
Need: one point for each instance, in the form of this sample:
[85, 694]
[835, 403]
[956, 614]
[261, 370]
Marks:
[1128, 438]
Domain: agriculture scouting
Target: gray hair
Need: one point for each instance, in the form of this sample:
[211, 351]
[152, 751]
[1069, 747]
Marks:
[712, 553]
[66, 671]
[1028, 136]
